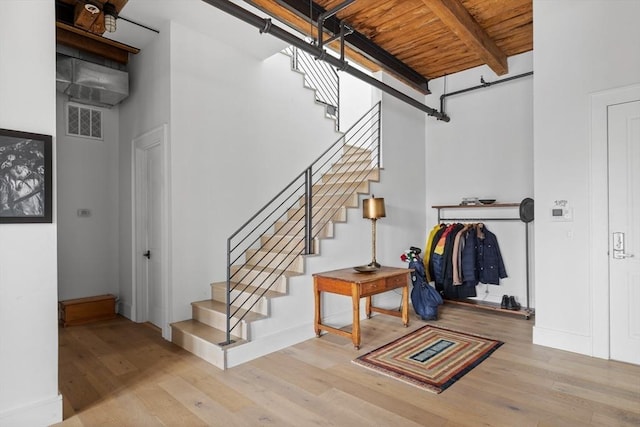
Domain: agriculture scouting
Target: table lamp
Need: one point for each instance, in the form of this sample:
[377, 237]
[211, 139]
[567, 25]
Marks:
[373, 209]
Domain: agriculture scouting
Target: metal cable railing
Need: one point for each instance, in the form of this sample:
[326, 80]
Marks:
[270, 244]
[319, 76]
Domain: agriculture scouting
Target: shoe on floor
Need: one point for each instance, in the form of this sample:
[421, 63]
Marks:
[513, 304]
[505, 302]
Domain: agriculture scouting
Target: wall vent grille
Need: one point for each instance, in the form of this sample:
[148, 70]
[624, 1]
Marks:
[84, 122]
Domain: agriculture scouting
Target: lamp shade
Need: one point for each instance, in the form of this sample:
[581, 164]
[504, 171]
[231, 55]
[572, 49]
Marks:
[373, 208]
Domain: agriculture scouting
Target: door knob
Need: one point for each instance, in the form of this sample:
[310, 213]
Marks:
[621, 255]
[147, 254]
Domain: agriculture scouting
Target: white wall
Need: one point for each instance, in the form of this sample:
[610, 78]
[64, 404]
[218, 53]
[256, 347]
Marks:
[28, 274]
[580, 48]
[146, 108]
[403, 152]
[355, 98]
[485, 151]
[87, 175]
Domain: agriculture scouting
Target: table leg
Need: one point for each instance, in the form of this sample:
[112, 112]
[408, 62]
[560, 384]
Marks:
[405, 304]
[355, 330]
[368, 307]
[317, 320]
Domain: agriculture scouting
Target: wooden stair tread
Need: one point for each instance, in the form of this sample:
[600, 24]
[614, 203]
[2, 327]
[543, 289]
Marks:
[351, 148]
[280, 252]
[220, 307]
[359, 174]
[269, 270]
[342, 188]
[206, 333]
[248, 288]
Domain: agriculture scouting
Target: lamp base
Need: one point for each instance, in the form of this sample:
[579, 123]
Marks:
[373, 264]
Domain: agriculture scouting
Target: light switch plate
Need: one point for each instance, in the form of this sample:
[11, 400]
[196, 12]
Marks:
[561, 214]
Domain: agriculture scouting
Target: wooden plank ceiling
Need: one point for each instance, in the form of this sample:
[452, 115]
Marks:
[415, 39]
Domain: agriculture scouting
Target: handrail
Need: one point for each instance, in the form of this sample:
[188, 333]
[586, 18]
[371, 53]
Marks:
[268, 244]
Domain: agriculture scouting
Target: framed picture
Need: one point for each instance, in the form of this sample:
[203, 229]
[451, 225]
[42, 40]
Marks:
[25, 177]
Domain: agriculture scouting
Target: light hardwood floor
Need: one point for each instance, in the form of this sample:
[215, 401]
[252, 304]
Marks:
[118, 373]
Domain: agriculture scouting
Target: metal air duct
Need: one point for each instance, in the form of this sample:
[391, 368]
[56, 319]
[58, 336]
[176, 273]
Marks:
[90, 83]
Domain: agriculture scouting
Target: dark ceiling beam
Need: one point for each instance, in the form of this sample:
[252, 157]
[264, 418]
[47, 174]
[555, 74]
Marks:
[455, 16]
[360, 43]
[266, 26]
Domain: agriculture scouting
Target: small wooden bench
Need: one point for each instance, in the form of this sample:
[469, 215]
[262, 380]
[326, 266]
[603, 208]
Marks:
[85, 310]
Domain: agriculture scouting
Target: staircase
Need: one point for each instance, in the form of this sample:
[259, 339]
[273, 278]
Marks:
[271, 246]
[263, 277]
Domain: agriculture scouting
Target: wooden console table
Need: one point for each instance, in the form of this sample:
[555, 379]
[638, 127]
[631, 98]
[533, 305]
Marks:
[349, 282]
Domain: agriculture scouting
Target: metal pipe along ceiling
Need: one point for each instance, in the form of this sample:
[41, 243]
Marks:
[265, 26]
[480, 86]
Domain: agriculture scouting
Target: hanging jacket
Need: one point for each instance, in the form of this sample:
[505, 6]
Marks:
[489, 260]
[427, 250]
[466, 289]
[436, 261]
[468, 261]
[448, 254]
[456, 257]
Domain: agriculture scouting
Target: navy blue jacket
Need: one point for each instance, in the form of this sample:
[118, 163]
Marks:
[489, 260]
[469, 259]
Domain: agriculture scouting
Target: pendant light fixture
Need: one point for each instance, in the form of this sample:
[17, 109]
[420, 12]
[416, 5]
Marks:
[110, 16]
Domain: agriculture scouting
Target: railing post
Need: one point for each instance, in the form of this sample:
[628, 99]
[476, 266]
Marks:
[228, 295]
[294, 57]
[308, 211]
[379, 120]
[338, 102]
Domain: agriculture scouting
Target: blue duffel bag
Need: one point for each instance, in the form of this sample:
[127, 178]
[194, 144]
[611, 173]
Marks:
[424, 297]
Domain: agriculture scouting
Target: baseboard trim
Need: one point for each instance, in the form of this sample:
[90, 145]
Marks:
[124, 309]
[252, 350]
[42, 413]
[260, 347]
[563, 340]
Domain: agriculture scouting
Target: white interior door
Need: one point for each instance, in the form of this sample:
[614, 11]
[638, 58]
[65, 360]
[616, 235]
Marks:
[150, 246]
[153, 235]
[624, 231]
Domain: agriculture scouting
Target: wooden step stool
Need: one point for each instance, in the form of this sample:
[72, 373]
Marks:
[85, 310]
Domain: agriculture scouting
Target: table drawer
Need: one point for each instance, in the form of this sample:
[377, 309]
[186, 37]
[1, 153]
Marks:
[396, 281]
[383, 285]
